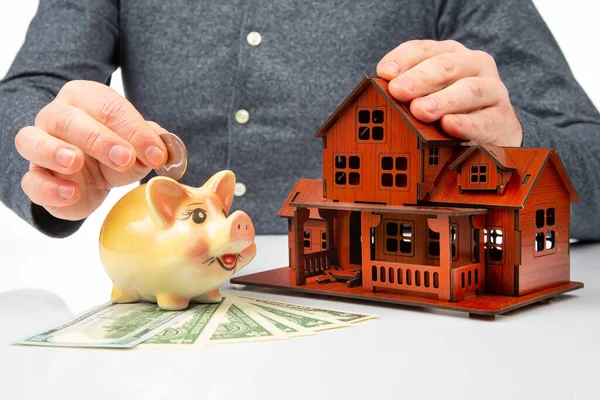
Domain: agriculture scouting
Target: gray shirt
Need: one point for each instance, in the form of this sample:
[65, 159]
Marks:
[188, 66]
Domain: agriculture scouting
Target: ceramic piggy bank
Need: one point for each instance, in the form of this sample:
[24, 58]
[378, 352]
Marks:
[172, 244]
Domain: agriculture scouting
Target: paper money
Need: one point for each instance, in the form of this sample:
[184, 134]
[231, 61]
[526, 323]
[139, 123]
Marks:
[303, 319]
[243, 324]
[235, 319]
[109, 325]
[342, 316]
[195, 329]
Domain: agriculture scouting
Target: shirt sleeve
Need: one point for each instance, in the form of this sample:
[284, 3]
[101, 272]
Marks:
[553, 109]
[66, 40]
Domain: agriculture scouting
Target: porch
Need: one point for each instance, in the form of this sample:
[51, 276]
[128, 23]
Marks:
[410, 250]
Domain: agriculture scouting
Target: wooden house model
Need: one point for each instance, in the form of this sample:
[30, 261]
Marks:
[406, 214]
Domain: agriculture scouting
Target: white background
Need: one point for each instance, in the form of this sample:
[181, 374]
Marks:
[35, 261]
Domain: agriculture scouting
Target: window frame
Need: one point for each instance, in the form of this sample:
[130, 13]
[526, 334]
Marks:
[347, 170]
[431, 156]
[479, 174]
[454, 242]
[399, 237]
[370, 125]
[486, 237]
[394, 172]
[545, 229]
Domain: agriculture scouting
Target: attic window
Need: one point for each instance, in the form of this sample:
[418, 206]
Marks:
[479, 173]
[434, 156]
[370, 125]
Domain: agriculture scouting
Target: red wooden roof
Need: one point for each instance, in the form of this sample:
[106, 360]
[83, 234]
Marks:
[428, 132]
[496, 154]
[306, 190]
[526, 161]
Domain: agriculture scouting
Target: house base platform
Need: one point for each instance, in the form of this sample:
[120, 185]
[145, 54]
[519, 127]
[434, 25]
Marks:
[476, 305]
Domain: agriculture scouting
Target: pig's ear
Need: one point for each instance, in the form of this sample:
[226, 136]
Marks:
[164, 196]
[223, 185]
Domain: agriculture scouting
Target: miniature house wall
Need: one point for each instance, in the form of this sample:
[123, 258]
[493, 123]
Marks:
[405, 213]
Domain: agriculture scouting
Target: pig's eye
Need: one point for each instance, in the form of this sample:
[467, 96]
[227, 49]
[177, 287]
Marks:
[198, 215]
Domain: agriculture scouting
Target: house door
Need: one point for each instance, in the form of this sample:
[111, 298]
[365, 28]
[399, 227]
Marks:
[355, 239]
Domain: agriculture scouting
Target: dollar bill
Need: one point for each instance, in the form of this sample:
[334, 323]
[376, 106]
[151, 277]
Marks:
[305, 320]
[287, 326]
[243, 324]
[342, 316]
[108, 325]
[195, 329]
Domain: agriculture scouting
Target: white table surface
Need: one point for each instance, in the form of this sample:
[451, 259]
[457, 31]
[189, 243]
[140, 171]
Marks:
[549, 351]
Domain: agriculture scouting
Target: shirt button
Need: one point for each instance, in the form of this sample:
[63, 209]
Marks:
[254, 39]
[240, 189]
[242, 116]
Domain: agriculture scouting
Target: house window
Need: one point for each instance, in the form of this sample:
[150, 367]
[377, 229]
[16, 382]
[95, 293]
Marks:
[433, 243]
[347, 169]
[478, 173]
[307, 239]
[434, 156]
[323, 240]
[493, 239]
[370, 125]
[393, 172]
[399, 237]
[545, 234]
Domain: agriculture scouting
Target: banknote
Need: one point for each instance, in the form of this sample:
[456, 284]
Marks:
[195, 329]
[343, 316]
[243, 324]
[303, 319]
[234, 319]
[289, 327]
[109, 325]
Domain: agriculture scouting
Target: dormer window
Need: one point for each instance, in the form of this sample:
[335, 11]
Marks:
[370, 125]
[479, 173]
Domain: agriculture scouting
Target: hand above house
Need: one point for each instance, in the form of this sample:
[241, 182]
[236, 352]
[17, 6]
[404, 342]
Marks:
[445, 81]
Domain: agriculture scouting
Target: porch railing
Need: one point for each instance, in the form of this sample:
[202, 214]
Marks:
[314, 264]
[416, 278]
[465, 279]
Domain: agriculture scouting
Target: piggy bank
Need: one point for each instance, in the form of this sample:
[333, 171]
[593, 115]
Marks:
[172, 244]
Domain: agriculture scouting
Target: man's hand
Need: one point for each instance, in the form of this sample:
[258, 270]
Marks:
[85, 142]
[460, 87]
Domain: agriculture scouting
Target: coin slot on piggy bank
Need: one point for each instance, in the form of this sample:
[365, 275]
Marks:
[173, 244]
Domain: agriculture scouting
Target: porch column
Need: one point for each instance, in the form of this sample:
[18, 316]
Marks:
[329, 216]
[300, 217]
[368, 220]
[442, 225]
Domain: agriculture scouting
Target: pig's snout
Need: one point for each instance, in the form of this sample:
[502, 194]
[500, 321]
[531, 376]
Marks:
[242, 228]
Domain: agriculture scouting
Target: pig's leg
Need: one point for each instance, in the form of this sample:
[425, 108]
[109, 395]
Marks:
[210, 297]
[119, 295]
[172, 303]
